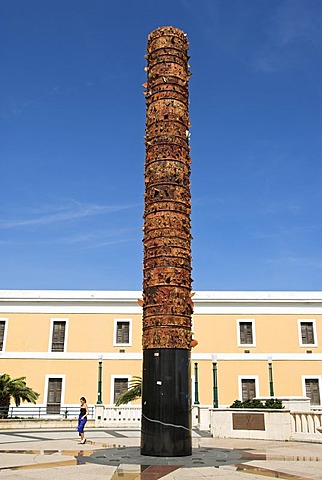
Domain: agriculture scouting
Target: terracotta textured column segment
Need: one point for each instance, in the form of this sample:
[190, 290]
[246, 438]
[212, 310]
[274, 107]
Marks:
[167, 304]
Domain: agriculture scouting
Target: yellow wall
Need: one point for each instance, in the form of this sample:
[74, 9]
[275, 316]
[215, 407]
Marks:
[274, 333]
[27, 353]
[86, 332]
[28, 332]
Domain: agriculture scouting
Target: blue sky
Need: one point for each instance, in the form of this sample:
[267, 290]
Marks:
[72, 120]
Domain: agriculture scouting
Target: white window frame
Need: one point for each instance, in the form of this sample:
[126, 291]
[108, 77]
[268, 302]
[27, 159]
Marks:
[248, 320]
[54, 375]
[113, 378]
[6, 321]
[247, 377]
[305, 320]
[52, 320]
[312, 377]
[116, 320]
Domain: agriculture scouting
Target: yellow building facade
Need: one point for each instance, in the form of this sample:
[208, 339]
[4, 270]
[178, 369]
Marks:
[250, 344]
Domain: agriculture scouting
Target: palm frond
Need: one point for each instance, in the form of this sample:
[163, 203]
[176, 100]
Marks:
[17, 389]
[134, 391]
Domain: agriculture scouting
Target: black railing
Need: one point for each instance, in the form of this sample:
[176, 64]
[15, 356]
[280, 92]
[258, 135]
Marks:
[33, 411]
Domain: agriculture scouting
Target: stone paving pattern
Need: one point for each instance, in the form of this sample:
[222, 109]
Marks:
[56, 454]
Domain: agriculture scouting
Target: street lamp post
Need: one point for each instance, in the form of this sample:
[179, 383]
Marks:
[270, 374]
[214, 359]
[99, 382]
[196, 385]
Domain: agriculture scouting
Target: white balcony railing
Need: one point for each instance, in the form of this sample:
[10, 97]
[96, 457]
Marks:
[123, 416]
[306, 422]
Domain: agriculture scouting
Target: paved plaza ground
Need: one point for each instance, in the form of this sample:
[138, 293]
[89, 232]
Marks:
[114, 454]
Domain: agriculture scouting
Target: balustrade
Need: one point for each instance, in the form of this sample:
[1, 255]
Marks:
[306, 422]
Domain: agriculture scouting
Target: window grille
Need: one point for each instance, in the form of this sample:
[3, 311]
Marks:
[246, 333]
[307, 333]
[2, 327]
[123, 332]
[120, 386]
[248, 389]
[54, 395]
[313, 390]
[58, 339]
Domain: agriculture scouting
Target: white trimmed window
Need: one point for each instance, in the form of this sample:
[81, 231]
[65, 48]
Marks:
[3, 333]
[312, 387]
[307, 332]
[58, 335]
[248, 387]
[122, 332]
[246, 334]
[54, 393]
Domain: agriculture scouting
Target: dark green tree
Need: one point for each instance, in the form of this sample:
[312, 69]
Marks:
[17, 389]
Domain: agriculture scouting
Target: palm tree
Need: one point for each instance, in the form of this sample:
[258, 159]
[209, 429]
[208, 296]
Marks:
[134, 391]
[17, 389]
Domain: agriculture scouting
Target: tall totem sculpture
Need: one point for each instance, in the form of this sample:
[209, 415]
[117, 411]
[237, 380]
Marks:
[167, 304]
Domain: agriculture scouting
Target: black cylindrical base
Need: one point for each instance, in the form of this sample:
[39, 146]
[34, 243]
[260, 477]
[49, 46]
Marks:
[166, 403]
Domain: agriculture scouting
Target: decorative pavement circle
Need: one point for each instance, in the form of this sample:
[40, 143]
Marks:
[201, 457]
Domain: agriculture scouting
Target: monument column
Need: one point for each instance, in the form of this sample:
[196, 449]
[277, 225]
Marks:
[167, 304]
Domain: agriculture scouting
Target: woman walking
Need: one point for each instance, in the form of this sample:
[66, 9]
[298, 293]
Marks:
[82, 419]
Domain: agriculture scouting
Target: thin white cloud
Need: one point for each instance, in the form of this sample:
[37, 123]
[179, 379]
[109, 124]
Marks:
[103, 244]
[29, 102]
[294, 27]
[96, 239]
[80, 241]
[61, 214]
[83, 238]
[290, 207]
[298, 20]
[295, 261]
[289, 232]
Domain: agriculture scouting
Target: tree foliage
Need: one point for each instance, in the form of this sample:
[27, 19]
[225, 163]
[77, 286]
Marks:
[133, 392]
[16, 389]
[274, 403]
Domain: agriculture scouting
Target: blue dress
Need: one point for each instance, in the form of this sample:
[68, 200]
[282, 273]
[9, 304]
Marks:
[81, 421]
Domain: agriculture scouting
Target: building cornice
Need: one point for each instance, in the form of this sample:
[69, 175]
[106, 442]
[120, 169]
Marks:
[125, 301]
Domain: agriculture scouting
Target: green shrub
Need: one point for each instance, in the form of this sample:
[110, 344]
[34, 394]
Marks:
[274, 403]
[255, 403]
